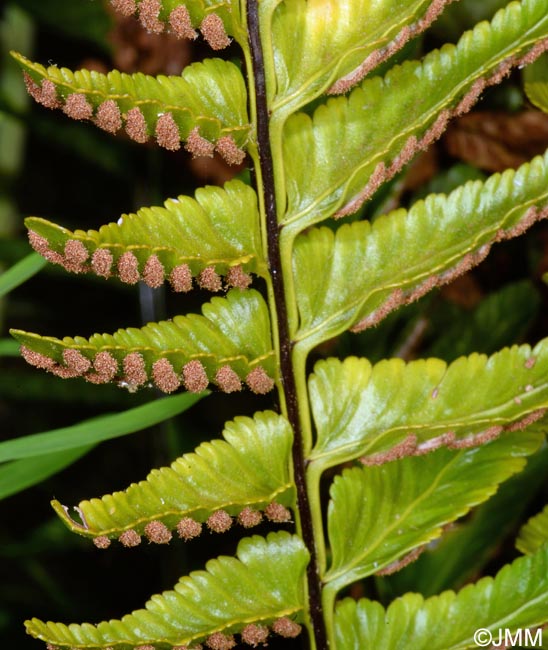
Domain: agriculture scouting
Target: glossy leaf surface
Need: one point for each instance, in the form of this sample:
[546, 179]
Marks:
[233, 332]
[263, 583]
[369, 270]
[364, 410]
[339, 157]
[516, 598]
[253, 460]
[318, 42]
[210, 96]
[218, 229]
[378, 514]
[466, 547]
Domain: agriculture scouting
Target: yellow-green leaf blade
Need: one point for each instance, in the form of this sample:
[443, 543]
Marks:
[232, 334]
[219, 228]
[369, 270]
[317, 43]
[209, 96]
[535, 79]
[368, 137]
[379, 514]
[534, 533]
[252, 459]
[517, 597]
[264, 582]
[366, 411]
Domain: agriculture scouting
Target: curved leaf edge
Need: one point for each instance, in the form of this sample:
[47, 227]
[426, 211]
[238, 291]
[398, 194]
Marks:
[277, 606]
[117, 101]
[121, 249]
[430, 129]
[534, 533]
[525, 406]
[133, 358]
[180, 497]
[365, 622]
[382, 54]
[514, 221]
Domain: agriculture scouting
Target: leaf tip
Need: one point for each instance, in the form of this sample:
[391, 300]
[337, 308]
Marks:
[36, 359]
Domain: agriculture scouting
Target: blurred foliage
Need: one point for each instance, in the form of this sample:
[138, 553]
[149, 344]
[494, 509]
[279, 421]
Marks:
[43, 565]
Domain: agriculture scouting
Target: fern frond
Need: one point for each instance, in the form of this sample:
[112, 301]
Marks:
[393, 409]
[183, 18]
[369, 136]
[516, 598]
[217, 233]
[534, 533]
[253, 460]
[322, 44]
[405, 254]
[535, 79]
[230, 343]
[465, 549]
[205, 106]
[377, 515]
[264, 585]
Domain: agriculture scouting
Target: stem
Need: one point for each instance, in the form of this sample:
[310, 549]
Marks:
[285, 347]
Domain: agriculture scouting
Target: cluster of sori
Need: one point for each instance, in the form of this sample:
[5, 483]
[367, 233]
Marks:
[188, 528]
[104, 368]
[108, 116]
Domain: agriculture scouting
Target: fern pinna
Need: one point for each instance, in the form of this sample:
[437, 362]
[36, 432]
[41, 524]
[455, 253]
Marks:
[405, 448]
